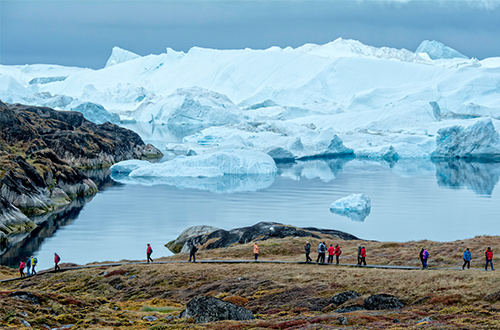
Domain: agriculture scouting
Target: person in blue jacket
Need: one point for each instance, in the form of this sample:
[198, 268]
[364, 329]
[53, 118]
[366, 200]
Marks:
[467, 258]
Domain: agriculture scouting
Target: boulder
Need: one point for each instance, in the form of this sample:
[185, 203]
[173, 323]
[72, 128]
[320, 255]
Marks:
[177, 244]
[342, 297]
[210, 309]
[382, 301]
[492, 297]
[350, 309]
[24, 295]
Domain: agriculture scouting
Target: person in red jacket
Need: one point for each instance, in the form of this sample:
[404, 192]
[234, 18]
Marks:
[56, 261]
[331, 252]
[22, 265]
[489, 258]
[149, 251]
[338, 252]
[362, 255]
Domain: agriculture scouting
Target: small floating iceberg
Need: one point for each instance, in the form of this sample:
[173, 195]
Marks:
[355, 206]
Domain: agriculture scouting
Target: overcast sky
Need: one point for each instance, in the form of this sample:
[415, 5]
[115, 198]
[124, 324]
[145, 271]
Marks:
[82, 33]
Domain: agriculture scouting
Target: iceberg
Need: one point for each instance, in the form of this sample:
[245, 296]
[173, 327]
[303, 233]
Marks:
[96, 113]
[436, 50]
[192, 106]
[223, 171]
[119, 55]
[478, 141]
[355, 206]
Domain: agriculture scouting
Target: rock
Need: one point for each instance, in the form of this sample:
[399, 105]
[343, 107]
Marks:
[342, 297]
[492, 297]
[425, 319]
[23, 295]
[25, 323]
[396, 320]
[176, 245]
[169, 317]
[263, 230]
[350, 309]
[342, 320]
[382, 301]
[210, 309]
[150, 318]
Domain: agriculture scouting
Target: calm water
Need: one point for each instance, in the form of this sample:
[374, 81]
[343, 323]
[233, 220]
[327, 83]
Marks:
[410, 201]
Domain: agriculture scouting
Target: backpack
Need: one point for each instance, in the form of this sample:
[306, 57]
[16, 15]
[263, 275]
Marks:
[35, 261]
[322, 248]
[426, 254]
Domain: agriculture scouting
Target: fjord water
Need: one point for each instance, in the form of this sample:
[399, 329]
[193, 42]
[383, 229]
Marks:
[411, 200]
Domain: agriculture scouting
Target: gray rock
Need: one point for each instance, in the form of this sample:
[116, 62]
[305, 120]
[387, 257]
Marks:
[425, 319]
[177, 245]
[169, 317]
[342, 320]
[25, 323]
[396, 320]
[349, 309]
[132, 277]
[382, 301]
[150, 318]
[342, 297]
[210, 309]
[23, 295]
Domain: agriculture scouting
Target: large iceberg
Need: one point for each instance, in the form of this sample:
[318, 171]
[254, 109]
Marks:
[192, 106]
[119, 55]
[479, 141]
[223, 171]
[96, 113]
[355, 206]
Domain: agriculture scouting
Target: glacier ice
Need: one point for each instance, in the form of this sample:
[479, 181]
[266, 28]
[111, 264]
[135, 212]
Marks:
[192, 106]
[96, 113]
[355, 206]
[477, 141]
[437, 50]
[119, 55]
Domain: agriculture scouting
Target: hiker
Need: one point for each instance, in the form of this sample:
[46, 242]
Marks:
[56, 262]
[255, 251]
[425, 258]
[28, 266]
[21, 268]
[359, 254]
[192, 252]
[489, 258]
[34, 261]
[362, 255]
[149, 251]
[421, 257]
[338, 252]
[321, 253]
[307, 248]
[467, 258]
[331, 252]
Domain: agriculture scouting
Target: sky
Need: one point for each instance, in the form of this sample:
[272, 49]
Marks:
[83, 33]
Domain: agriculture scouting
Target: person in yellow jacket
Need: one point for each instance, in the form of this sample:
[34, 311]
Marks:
[255, 251]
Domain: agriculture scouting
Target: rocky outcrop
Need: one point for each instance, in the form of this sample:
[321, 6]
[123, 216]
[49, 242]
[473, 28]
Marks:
[210, 309]
[42, 152]
[382, 301]
[214, 238]
[342, 297]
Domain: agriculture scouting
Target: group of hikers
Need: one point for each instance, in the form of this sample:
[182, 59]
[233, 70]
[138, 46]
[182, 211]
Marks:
[31, 262]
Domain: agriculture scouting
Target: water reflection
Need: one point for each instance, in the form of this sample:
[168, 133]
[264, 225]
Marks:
[225, 184]
[22, 246]
[324, 169]
[478, 177]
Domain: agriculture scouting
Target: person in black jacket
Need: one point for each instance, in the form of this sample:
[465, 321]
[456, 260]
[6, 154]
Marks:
[307, 248]
[192, 252]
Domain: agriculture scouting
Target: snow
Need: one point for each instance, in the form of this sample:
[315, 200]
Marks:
[437, 50]
[355, 206]
[339, 98]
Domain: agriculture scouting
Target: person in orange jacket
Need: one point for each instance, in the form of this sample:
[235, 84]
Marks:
[338, 252]
[255, 251]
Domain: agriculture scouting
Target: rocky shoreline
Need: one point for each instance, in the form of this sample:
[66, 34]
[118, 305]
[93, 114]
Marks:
[42, 153]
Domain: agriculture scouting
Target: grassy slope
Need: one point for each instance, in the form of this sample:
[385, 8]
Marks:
[281, 296]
